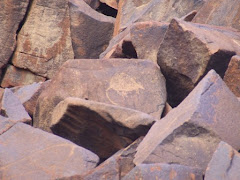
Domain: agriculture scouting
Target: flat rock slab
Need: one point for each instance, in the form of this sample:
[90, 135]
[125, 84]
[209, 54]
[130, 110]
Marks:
[29, 153]
[90, 30]
[164, 171]
[190, 50]
[225, 164]
[131, 83]
[191, 132]
[44, 42]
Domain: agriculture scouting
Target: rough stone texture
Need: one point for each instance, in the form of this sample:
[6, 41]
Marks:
[12, 108]
[164, 171]
[141, 40]
[131, 83]
[29, 153]
[12, 13]
[220, 13]
[19, 77]
[190, 133]
[90, 30]
[44, 42]
[224, 165]
[156, 10]
[93, 3]
[232, 75]
[103, 129]
[113, 168]
[5, 124]
[190, 50]
[111, 3]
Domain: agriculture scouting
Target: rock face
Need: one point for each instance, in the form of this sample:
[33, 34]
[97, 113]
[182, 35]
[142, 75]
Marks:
[40, 155]
[220, 13]
[44, 42]
[90, 30]
[164, 171]
[190, 50]
[232, 75]
[190, 133]
[99, 127]
[156, 10]
[12, 13]
[136, 84]
[140, 40]
[224, 164]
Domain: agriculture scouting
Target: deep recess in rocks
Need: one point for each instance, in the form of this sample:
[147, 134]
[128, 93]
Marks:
[107, 10]
[129, 50]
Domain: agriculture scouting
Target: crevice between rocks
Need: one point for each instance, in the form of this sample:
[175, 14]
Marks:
[107, 10]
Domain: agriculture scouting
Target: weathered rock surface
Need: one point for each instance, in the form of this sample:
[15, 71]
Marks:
[190, 50]
[12, 13]
[103, 129]
[224, 165]
[93, 3]
[156, 10]
[220, 13]
[141, 40]
[44, 41]
[19, 77]
[5, 124]
[232, 75]
[90, 30]
[164, 171]
[191, 132]
[29, 153]
[131, 83]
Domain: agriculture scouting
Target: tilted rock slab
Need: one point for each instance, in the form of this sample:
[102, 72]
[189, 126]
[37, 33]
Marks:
[141, 40]
[191, 132]
[103, 129]
[90, 30]
[164, 171]
[190, 50]
[29, 153]
[131, 83]
[44, 42]
[12, 13]
[224, 164]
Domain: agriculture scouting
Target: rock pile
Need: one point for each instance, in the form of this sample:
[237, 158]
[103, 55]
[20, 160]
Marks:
[120, 89]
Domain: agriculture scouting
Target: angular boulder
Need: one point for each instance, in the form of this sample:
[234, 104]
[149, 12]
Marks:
[131, 83]
[44, 42]
[190, 50]
[29, 153]
[191, 132]
[90, 30]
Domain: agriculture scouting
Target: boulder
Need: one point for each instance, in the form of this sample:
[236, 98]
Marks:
[12, 13]
[90, 30]
[164, 171]
[190, 50]
[44, 42]
[220, 13]
[29, 153]
[131, 83]
[224, 164]
[232, 74]
[141, 40]
[19, 77]
[5, 124]
[191, 132]
[103, 129]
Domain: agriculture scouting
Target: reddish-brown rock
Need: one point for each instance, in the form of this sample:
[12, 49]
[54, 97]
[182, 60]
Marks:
[90, 30]
[102, 128]
[190, 50]
[232, 75]
[19, 77]
[164, 171]
[12, 13]
[224, 164]
[131, 83]
[140, 40]
[44, 42]
[29, 153]
[191, 132]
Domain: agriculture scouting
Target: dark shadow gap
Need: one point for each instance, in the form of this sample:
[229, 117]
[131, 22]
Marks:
[107, 10]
